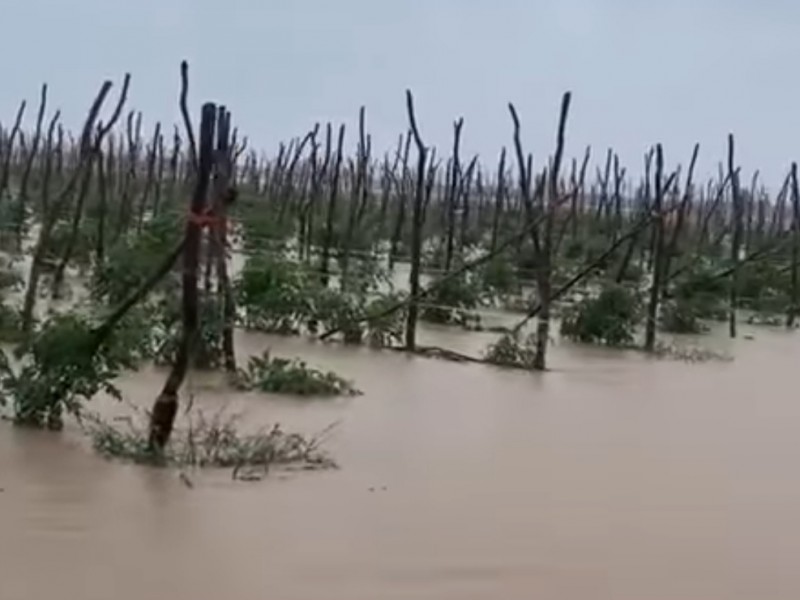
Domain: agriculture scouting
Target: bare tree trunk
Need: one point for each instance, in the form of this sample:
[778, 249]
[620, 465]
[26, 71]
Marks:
[23, 184]
[452, 195]
[657, 254]
[544, 280]
[498, 200]
[418, 219]
[9, 150]
[736, 241]
[332, 199]
[358, 195]
[795, 289]
[224, 194]
[52, 209]
[165, 407]
[92, 150]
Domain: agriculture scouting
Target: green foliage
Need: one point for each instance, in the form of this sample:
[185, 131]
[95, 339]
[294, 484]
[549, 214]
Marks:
[285, 376]
[499, 276]
[702, 292]
[334, 310]
[60, 367]
[10, 322]
[166, 333]
[275, 294]
[450, 299]
[609, 318]
[10, 278]
[209, 442]
[59, 239]
[261, 227]
[386, 330]
[511, 351]
[681, 316]
[765, 286]
[133, 259]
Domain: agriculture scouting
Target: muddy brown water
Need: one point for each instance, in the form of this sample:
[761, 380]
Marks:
[612, 477]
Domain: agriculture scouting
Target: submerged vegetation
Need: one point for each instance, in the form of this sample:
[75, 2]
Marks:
[128, 244]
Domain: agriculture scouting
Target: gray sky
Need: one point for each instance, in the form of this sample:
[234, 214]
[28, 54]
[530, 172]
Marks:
[641, 72]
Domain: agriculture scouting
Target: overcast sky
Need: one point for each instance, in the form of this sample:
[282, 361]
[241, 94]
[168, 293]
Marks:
[641, 72]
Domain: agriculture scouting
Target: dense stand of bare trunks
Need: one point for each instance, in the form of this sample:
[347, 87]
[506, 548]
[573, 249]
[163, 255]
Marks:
[118, 174]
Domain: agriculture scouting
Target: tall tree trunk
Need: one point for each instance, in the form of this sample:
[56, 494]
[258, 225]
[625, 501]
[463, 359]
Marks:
[657, 257]
[224, 195]
[545, 267]
[736, 242]
[498, 199]
[332, 200]
[795, 289]
[165, 407]
[418, 220]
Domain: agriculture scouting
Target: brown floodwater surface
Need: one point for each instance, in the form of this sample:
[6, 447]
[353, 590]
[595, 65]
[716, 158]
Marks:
[611, 477]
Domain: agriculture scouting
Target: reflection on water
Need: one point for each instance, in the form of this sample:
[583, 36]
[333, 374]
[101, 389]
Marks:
[612, 477]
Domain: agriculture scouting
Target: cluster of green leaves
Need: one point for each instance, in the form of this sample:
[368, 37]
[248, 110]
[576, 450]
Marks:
[58, 368]
[266, 373]
[498, 276]
[275, 294]
[610, 318]
[10, 280]
[765, 287]
[166, 326]
[682, 316]
[278, 295]
[133, 259]
[451, 299]
[512, 350]
[59, 239]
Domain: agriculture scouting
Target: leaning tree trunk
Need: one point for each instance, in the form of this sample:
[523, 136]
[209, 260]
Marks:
[165, 407]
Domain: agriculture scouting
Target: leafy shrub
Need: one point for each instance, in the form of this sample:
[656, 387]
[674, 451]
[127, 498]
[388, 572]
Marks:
[449, 299]
[386, 330]
[59, 369]
[275, 294]
[292, 376]
[166, 335]
[511, 351]
[706, 292]
[681, 316]
[133, 259]
[610, 318]
[499, 276]
[333, 309]
[59, 238]
[209, 442]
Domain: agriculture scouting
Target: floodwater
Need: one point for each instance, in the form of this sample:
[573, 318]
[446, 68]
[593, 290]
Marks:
[611, 477]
